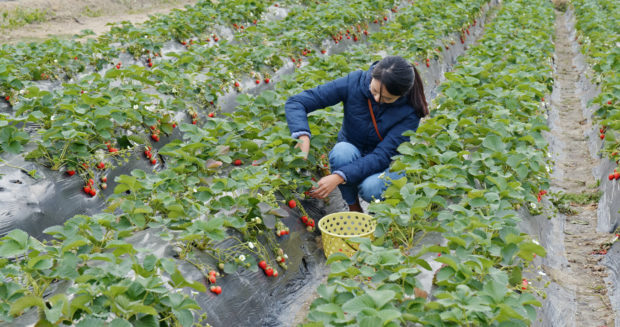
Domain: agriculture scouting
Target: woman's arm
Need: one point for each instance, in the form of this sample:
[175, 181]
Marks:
[381, 157]
[298, 106]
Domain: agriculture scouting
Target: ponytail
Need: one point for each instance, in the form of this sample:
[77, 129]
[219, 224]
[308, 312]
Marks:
[416, 95]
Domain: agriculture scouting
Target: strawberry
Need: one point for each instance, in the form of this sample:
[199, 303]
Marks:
[101, 165]
[7, 98]
[617, 175]
[212, 279]
[104, 186]
[147, 153]
[75, 58]
[323, 51]
[257, 81]
[174, 125]
[113, 150]
[236, 84]
[376, 21]
[254, 22]
[609, 103]
[155, 137]
[263, 264]
[218, 290]
[150, 64]
[237, 162]
[275, 273]
[215, 39]
[602, 136]
[153, 127]
[365, 32]
[292, 204]
[524, 284]
[611, 177]
[118, 66]
[304, 219]
[211, 115]
[87, 189]
[385, 18]
[194, 122]
[269, 271]
[311, 222]
[183, 42]
[355, 38]
[91, 182]
[104, 179]
[70, 172]
[93, 192]
[153, 161]
[267, 80]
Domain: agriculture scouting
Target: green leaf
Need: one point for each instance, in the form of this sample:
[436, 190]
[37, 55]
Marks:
[380, 298]
[26, 302]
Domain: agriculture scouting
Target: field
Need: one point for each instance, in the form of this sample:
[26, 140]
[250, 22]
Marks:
[148, 176]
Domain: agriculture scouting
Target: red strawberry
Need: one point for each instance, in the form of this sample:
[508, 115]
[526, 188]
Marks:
[269, 271]
[311, 222]
[292, 204]
[376, 21]
[236, 84]
[75, 58]
[194, 122]
[215, 39]
[609, 102]
[147, 153]
[93, 192]
[183, 42]
[611, 177]
[153, 127]
[237, 162]
[150, 64]
[218, 290]
[87, 189]
[155, 137]
[91, 182]
[323, 51]
[602, 136]
[113, 150]
[153, 161]
[70, 172]
[262, 264]
[104, 179]
[101, 165]
[355, 38]
[212, 279]
[267, 80]
[617, 175]
[385, 18]
[257, 81]
[365, 32]
[304, 219]
[254, 22]
[211, 115]
[174, 125]
[7, 98]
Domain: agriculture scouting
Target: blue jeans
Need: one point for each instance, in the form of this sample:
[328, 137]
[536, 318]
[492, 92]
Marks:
[371, 188]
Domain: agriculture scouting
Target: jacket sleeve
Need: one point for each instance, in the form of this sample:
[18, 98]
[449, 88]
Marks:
[380, 158]
[300, 105]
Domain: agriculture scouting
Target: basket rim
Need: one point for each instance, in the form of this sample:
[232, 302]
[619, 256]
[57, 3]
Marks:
[323, 231]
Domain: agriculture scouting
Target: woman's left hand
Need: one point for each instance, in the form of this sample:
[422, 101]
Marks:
[326, 185]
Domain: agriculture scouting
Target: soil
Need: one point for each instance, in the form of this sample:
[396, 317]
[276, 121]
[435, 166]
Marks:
[573, 173]
[69, 17]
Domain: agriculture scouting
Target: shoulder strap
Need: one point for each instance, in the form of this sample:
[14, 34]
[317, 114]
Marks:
[374, 122]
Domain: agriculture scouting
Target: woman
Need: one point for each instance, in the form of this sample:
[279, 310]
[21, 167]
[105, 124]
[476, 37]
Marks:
[379, 105]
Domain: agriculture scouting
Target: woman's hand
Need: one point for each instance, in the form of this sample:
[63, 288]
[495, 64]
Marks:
[304, 146]
[326, 185]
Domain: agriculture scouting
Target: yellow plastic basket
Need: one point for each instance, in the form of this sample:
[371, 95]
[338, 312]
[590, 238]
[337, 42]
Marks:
[337, 228]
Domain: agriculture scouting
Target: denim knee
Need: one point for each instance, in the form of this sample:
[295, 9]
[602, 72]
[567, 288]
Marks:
[343, 154]
[373, 186]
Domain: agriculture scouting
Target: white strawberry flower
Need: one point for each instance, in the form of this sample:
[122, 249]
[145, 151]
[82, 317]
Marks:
[250, 245]
[377, 200]
[242, 257]
[135, 107]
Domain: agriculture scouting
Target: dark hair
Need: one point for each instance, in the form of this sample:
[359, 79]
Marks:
[402, 79]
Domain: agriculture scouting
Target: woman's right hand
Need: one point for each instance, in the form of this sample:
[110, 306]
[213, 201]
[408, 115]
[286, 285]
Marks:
[304, 146]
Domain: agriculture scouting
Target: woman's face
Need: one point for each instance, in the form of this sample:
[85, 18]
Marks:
[380, 94]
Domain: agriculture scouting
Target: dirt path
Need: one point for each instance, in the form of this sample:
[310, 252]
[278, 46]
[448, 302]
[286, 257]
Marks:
[573, 175]
[65, 18]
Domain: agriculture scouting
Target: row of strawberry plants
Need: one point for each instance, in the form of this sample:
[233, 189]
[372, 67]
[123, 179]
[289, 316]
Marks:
[599, 39]
[182, 77]
[179, 198]
[469, 169]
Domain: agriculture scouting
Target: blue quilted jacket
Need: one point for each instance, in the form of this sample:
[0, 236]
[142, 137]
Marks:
[354, 91]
